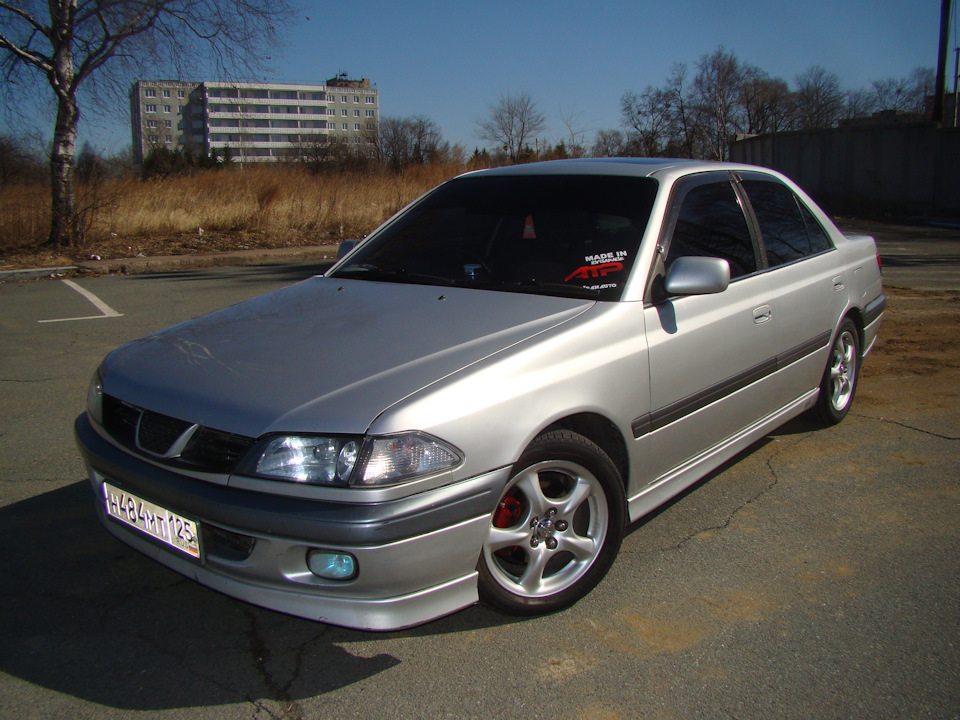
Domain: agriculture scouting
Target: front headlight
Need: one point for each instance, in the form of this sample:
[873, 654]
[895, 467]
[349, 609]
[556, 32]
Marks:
[339, 461]
[306, 459]
[95, 398]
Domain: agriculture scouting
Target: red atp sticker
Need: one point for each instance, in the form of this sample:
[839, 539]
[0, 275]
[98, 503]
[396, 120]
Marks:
[594, 271]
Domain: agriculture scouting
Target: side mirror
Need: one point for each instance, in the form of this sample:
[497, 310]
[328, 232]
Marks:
[697, 276]
[345, 247]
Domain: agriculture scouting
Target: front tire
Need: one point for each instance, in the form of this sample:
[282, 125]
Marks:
[557, 527]
[839, 383]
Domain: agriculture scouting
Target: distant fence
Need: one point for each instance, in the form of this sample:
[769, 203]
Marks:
[873, 171]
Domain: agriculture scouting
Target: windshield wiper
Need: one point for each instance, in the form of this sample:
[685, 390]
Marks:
[533, 285]
[399, 275]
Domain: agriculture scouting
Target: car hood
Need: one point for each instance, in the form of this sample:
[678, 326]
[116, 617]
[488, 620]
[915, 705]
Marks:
[325, 355]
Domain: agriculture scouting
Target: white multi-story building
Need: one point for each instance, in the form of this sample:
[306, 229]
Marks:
[252, 122]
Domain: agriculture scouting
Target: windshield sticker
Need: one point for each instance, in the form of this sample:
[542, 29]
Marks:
[529, 233]
[594, 271]
[599, 265]
[606, 257]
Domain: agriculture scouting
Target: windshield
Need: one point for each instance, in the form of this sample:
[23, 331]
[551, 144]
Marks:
[568, 235]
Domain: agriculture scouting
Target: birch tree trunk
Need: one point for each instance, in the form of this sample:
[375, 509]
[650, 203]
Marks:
[65, 130]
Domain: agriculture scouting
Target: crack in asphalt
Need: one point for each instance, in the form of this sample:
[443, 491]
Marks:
[775, 478]
[261, 654]
[756, 496]
[907, 426]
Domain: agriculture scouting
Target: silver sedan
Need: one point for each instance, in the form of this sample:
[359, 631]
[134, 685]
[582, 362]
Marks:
[476, 400]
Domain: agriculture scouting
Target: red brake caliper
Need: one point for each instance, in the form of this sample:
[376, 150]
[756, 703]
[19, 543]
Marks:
[506, 515]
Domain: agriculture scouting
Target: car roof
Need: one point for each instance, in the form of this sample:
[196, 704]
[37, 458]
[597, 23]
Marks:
[637, 167]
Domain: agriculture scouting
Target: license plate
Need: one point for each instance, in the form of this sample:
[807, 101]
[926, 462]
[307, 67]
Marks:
[153, 520]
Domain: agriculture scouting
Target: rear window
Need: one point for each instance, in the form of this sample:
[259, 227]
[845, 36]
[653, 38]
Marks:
[568, 235]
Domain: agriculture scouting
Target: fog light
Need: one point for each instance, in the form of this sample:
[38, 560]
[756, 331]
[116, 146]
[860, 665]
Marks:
[332, 565]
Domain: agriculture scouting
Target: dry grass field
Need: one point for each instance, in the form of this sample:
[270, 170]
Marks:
[255, 207]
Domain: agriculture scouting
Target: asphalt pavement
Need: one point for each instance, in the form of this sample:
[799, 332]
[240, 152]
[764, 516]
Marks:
[816, 576]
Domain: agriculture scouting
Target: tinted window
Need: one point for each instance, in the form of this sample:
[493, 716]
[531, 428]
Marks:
[819, 241]
[575, 235]
[711, 224]
[781, 225]
[789, 230]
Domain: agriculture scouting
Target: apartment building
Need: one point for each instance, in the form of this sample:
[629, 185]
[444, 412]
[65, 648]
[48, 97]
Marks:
[254, 122]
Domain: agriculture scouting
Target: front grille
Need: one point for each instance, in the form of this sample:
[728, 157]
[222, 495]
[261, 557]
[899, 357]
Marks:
[151, 433]
[158, 432]
[215, 449]
[120, 420]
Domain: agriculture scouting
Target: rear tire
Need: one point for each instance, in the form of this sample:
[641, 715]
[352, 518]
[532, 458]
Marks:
[839, 383]
[557, 528]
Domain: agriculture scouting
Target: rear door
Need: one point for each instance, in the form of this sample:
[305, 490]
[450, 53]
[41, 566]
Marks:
[712, 357]
[809, 288]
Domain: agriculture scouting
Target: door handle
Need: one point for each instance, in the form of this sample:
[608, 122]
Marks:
[762, 314]
[838, 283]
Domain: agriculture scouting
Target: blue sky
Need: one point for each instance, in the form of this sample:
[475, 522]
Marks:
[450, 60]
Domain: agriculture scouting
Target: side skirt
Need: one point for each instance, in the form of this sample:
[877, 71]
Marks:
[683, 476]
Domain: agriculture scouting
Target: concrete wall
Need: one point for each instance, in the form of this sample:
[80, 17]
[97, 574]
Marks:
[905, 170]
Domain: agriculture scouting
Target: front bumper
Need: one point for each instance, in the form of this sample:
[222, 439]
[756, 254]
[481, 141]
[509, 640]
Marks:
[416, 556]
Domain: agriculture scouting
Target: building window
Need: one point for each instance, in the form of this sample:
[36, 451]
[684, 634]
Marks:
[369, 99]
[149, 92]
[166, 93]
[151, 123]
[356, 113]
[356, 98]
[168, 123]
[343, 98]
[346, 126]
[166, 108]
[149, 108]
[356, 126]
[344, 113]
[371, 113]
[179, 93]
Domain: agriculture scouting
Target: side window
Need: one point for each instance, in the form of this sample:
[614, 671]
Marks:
[711, 224]
[781, 225]
[789, 229]
[819, 240]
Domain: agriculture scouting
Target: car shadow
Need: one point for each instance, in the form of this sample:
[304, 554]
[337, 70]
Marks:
[85, 616]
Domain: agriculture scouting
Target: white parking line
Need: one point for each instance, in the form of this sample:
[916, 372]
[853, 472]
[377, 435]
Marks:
[97, 303]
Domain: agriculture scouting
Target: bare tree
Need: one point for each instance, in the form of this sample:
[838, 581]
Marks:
[649, 118]
[717, 86]
[575, 141]
[765, 102]
[410, 141]
[88, 44]
[513, 122]
[687, 132]
[858, 103]
[819, 99]
[892, 94]
[609, 143]
[922, 86]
